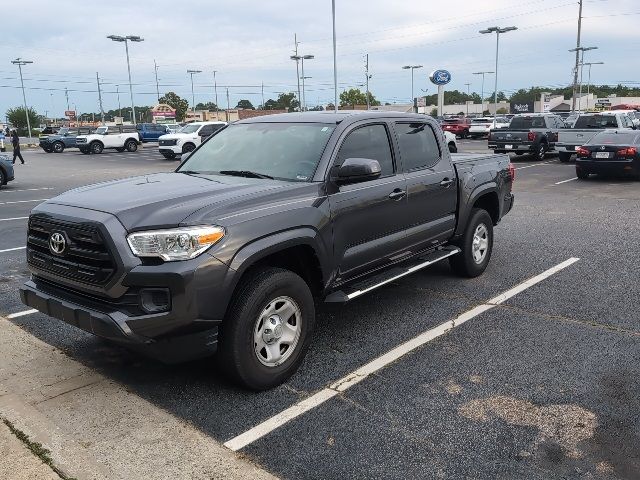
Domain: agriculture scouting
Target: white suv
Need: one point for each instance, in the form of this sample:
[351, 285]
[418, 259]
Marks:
[480, 126]
[124, 137]
[187, 138]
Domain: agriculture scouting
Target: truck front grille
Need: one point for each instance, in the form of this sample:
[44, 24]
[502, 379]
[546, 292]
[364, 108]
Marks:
[166, 143]
[85, 257]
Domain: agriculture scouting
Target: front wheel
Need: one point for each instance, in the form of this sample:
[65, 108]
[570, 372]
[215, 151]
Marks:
[96, 147]
[131, 145]
[268, 328]
[58, 147]
[476, 245]
[3, 180]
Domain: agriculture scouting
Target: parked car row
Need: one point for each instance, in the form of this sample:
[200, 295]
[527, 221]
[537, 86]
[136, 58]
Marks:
[474, 127]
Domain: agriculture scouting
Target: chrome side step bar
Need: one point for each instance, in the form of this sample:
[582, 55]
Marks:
[360, 288]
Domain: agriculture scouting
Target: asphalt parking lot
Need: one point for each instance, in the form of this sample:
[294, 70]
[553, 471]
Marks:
[542, 385]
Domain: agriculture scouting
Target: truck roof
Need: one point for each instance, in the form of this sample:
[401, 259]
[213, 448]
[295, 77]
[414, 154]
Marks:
[330, 116]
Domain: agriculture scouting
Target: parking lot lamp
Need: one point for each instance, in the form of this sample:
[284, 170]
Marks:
[412, 68]
[498, 31]
[126, 40]
[304, 97]
[20, 63]
[589, 77]
[193, 97]
[581, 49]
[482, 88]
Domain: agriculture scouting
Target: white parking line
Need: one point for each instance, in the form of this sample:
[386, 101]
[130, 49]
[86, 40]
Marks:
[26, 190]
[535, 165]
[12, 249]
[22, 314]
[565, 181]
[14, 218]
[24, 201]
[377, 364]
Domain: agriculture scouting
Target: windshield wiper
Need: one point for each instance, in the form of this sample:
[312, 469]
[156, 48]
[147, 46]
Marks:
[245, 173]
[190, 172]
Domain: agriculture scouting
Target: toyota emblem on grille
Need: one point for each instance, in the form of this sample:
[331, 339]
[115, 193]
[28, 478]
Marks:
[57, 243]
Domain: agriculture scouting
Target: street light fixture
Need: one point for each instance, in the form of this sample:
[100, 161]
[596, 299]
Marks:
[581, 49]
[589, 78]
[126, 40]
[412, 68]
[304, 95]
[498, 31]
[482, 89]
[18, 61]
[193, 97]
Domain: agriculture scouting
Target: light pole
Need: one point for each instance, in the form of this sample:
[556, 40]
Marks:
[335, 63]
[412, 68]
[498, 31]
[126, 40]
[193, 97]
[20, 63]
[589, 77]
[215, 89]
[304, 96]
[297, 58]
[578, 50]
[482, 89]
[468, 93]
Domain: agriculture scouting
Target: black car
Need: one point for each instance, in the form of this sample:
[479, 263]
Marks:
[608, 153]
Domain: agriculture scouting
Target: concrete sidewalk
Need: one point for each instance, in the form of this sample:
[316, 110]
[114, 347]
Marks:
[92, 426]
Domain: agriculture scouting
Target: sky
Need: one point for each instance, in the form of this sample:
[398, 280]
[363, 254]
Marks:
[249, 44]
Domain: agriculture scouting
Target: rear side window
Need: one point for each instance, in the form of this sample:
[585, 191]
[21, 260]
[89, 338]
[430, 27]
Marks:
[370, 142]
[418, 146]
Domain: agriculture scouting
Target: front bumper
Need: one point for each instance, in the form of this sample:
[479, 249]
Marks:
[176, 149]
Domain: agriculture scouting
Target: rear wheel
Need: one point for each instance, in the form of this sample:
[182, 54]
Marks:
[453, 148]
[540, 152]
[131, 145]
[58, 147]
[564, 156]
[267, 330]
[476, 245]
[96, 147]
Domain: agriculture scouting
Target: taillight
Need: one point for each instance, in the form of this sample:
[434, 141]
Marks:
[627, 152]
[512, 171]
[531, 136]
[582, 152]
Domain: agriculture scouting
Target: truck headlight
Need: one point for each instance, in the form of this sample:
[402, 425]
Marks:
[175, 244]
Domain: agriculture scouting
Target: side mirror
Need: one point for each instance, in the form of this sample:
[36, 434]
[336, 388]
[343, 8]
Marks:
[184, 156]
[354, 170]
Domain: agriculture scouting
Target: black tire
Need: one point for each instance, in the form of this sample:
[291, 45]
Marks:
[463, 263]
[169, 155]
[581, 174]
[236, 351]
[48, 149]
[120, 149]
[452, 148]
[564, 156]
[58, 147]
[85, 151]
[96, 147]
[3, 178]
[541, 151]
[188, 147]
[131, 145]
[519, 153]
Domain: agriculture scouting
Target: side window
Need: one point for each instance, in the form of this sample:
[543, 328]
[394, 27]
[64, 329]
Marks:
[206, 131]
[370, 142]
[418, 146]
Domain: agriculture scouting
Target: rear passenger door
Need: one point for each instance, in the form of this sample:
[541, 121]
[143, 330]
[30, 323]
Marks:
[207, 131]
[369, 218]
[431, 185]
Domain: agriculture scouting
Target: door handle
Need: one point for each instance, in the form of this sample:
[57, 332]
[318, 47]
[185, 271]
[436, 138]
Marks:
[397, 194]
[446, 182]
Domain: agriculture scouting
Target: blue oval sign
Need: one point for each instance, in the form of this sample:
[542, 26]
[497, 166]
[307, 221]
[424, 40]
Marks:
[440, 77]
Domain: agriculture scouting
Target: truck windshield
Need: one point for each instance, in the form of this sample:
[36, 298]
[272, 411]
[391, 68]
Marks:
[284, 151]
[101, 130]
[190, 128]
[527, 122]
[596, 121]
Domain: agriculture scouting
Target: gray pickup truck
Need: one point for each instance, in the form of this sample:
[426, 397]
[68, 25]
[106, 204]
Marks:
[534, 133]
[586, 127]
[266, 219]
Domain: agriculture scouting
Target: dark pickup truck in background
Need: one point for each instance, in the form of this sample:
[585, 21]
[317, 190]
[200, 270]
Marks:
[270, 215]
[528, 133]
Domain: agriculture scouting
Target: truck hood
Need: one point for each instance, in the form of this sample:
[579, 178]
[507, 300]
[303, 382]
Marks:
[177, 136]
[164, 200]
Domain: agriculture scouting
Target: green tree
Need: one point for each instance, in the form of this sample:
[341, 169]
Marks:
[285, 101]
[434, 112]
[18, 119]
[209, 106]
[354, 96]
[246, 104]
[180, 104]
[502, 111]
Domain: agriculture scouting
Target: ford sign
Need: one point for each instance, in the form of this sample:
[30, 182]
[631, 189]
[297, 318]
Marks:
[440, 77]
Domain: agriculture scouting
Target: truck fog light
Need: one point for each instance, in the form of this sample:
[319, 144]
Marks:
[155, 300]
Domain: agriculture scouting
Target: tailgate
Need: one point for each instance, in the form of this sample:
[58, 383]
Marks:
[510, 135]
[575, 137]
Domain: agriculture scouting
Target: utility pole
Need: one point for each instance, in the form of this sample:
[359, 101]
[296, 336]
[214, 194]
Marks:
[366, 76]
[215, 88]
[155, 67]
[20, 63]
[296, 57]
[468, 93]
[228, 106]
[575, 69]
[262, 90]
[66, 94]
[335, 62]
[100, 99]
[118, 94]
[482, 88]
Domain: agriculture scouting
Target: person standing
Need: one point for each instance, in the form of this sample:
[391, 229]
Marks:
[15, 141]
